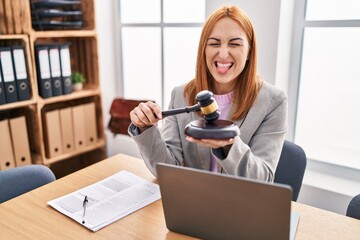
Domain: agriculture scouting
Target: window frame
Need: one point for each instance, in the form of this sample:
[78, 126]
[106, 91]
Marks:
[161, 25]
[299, 25]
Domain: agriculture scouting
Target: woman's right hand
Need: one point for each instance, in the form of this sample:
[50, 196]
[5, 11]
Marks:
[145, 115]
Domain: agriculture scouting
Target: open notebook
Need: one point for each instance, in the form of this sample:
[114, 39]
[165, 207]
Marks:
[209, 205]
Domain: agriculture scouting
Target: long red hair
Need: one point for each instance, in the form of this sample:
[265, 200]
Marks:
[247, 83]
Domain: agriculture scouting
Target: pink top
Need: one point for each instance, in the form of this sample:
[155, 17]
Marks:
[224, 103]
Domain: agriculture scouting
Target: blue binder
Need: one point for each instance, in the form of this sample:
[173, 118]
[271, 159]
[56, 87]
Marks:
[8, 74]
[2, 90]
[65, 67]
[43, 71]
[21, 76]
[56, 80]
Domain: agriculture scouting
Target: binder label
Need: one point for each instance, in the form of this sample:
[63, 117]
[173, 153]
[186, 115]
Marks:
[7, 68]
[65, 61]
[44, 64]
[55, 62]
[20, 66]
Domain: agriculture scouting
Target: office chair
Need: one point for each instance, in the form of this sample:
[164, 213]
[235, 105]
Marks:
[19, 180]
[353, 209]
[291, 167]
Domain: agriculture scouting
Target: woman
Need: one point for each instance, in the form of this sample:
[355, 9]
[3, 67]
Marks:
[227, 66]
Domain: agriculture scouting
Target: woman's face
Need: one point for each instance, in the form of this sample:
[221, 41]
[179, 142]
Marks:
[226, 54]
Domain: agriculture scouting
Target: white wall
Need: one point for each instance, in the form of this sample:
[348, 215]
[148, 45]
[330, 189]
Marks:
[106, 30]
[273, 23]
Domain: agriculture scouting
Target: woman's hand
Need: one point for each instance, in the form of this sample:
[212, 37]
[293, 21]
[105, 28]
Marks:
[213, 143]
[145, 115]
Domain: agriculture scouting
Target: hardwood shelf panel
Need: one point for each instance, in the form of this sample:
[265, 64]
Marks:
[16, 29]
[18, 104]
[83, 52]
[98, 145]
[87, 92]
[14, 36]
[64, 33]
[15, 17]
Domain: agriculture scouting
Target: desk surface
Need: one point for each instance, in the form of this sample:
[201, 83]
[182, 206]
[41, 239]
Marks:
[29, 217]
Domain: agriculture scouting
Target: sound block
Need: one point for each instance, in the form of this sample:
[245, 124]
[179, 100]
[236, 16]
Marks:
[218, 129]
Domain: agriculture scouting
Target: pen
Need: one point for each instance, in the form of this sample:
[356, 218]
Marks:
[84, 207]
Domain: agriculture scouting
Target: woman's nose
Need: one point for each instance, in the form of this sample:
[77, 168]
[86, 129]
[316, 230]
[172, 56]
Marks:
[224, 52]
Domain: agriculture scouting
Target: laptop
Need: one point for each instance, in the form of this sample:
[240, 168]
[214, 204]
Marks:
[209, 205]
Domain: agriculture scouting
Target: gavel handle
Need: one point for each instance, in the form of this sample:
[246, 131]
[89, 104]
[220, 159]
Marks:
[186, 109]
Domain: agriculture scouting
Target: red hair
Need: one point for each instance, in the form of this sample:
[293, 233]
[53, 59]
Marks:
[247, 83]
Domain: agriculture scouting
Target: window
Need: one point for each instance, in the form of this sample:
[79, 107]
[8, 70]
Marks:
[328, 112]
[158, 46]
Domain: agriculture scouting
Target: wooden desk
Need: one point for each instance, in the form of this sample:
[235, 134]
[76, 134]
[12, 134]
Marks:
[29, 217]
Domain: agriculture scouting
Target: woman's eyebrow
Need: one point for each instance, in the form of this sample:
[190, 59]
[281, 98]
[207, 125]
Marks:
[234, 39]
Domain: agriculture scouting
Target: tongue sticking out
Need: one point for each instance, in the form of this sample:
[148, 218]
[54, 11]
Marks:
[222, 70]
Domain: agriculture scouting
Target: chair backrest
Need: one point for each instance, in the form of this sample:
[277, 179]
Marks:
[19, 180]
[291, 167]
[353, 209]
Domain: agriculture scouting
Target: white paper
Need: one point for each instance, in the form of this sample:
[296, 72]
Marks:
[108, 200]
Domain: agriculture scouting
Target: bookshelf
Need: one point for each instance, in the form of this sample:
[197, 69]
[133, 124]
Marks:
[16, 29]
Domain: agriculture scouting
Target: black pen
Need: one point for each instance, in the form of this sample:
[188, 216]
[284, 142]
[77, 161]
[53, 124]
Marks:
[84, 207]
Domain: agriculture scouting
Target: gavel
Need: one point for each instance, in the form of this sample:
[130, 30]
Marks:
[210, 127]
[205, 103]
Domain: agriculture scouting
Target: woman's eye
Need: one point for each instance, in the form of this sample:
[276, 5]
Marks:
[214, 44]
[235, 44]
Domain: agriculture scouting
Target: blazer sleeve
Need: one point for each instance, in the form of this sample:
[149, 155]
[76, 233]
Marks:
[156, 146]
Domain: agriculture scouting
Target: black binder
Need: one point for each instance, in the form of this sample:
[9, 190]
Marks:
[8, 74]
[43, 71]
[2, 90]
[55, 70]
[21, 76]
[65, 68]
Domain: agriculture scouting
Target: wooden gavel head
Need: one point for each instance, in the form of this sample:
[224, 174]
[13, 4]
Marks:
[208, 105]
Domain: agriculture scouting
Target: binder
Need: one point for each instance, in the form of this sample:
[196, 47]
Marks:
[79, 126]
[21, 76]
[20, 141]
[2, 90]
[43, 71]
[67, 130]
[90, 124]
[65, 68]
[7, 155]
[56, 80]
[8, 75]
[53, 133]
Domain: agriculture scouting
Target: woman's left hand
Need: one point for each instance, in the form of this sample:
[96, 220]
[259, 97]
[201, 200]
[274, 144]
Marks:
[213, 143]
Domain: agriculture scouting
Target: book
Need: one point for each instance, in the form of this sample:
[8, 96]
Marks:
[108, 200]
